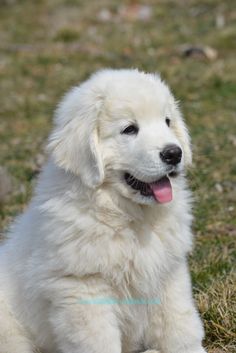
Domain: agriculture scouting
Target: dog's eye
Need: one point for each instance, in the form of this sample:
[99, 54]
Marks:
[167, 121]
[130, 130]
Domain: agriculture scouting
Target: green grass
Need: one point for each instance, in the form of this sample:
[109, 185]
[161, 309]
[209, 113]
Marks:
[48, 46]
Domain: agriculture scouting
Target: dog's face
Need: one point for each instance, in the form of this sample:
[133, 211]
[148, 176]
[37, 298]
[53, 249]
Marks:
[123, 128]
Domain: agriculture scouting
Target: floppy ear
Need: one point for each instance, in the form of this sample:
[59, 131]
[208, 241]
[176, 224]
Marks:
[74, 141]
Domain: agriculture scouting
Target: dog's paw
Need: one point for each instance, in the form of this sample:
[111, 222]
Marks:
[198, 350]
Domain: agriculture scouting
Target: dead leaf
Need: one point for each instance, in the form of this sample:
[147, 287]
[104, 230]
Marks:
[199, 52]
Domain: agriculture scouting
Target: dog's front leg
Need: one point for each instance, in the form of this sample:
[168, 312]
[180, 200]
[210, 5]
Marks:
[175, 326]
[84, 326]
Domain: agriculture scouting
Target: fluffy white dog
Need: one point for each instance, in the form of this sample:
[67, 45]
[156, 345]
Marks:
[97, 263]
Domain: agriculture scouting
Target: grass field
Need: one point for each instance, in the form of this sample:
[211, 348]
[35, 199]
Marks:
[48, 46]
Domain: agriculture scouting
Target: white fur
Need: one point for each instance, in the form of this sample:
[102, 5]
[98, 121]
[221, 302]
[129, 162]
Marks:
[86, 234]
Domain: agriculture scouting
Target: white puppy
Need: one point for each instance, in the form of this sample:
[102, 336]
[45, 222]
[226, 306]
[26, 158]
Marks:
[97, 263]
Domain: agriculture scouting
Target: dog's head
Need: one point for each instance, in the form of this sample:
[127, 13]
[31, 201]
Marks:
[122, 128]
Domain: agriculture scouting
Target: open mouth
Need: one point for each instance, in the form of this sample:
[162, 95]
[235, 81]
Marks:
[160, 189]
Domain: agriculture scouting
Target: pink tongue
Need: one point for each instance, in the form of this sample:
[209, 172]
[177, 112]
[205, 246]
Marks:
[162, 190]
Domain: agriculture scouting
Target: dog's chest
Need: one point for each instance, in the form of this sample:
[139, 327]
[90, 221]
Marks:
[130, 258]
[139, 262]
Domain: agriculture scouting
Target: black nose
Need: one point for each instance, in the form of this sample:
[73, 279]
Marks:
[171, 154]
